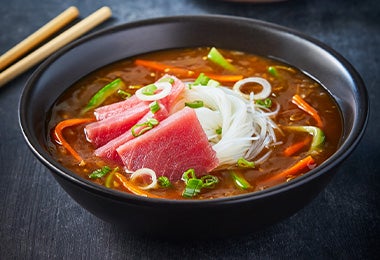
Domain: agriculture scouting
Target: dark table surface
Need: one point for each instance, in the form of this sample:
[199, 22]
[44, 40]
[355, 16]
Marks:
[38, 220]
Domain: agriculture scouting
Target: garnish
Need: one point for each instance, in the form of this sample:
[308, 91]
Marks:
[155, 91]
[103, 94]
[240, 181]
[146, 126]
[243, 163]
[164, 181]
[194, 185]
[154, 107]
[149, 89]
[123, 94]
[316, 132]
[194, 104]
[264, 102]
[215, 56]
[302, 104]
[99, 173]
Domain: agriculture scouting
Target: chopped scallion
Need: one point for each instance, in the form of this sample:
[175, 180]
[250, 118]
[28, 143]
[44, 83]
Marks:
[164, 181]
[243, 163]
[167, 79]
[194, 185]
[240, 181]
[123, 94]
[194, 104]
[218, 131]
[154, 107]
[264, 102]
[149, 89]
[273, 71]
[146, 126]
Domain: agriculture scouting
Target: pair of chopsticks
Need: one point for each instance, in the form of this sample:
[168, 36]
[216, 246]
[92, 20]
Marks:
[49, 48]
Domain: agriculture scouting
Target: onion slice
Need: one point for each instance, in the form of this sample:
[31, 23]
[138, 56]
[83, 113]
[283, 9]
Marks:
[264, 93]
[164, 89]
[142, 172]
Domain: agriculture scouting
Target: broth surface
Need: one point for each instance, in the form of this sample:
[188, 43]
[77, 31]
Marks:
[287, 83]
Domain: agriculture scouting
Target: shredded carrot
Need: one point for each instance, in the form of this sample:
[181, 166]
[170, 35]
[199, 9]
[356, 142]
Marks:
[58, 134]
[296, 169]
[184, 72]
[302, 104]
[291, 150]
[133, 188]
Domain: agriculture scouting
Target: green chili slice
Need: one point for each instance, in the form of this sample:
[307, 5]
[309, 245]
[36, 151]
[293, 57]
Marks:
[215, 56]
[103, 94]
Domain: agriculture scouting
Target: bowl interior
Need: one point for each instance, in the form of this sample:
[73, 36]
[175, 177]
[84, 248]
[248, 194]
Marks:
[92, 52]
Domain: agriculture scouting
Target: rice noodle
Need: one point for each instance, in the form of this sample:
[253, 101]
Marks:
[247, 128]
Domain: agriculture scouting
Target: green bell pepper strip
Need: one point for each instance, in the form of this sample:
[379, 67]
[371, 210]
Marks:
[215, 56]
[103, 94]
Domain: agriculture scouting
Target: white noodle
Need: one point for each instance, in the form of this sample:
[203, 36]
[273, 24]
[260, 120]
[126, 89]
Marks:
[246, 128]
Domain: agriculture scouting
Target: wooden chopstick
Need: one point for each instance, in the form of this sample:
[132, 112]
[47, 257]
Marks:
[58, 42]
[39, 36]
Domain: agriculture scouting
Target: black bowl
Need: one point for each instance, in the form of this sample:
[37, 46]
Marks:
[218, 217]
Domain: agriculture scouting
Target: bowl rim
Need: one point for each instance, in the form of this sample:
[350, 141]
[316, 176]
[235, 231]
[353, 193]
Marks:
[339, 156]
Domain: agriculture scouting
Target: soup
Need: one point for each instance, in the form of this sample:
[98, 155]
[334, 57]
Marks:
[194, 123]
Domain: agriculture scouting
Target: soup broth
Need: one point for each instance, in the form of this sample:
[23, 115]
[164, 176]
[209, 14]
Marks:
[279, 162]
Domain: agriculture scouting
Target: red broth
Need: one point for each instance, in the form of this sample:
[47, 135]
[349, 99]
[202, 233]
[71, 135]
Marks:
[286, 82]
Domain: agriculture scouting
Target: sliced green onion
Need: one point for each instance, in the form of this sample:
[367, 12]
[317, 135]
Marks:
[123, 94]
[103, 94]
[154, 107]
[99, 173]
[194, 185]
[240, 181]
[149, 89]
[164, 181]
[218, 131]
[194, 104]
[215, 56]
[316, 132]
[273, 71]
[213, 83]
[243, 163]
[264, 102]
[167, 79]
[146, 126]
[202, 79]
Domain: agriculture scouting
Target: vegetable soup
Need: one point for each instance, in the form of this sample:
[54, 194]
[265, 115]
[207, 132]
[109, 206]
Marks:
[194, 123]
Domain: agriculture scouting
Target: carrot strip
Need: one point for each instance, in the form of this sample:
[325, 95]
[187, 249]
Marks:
[184, 72]
[133, 188]
[305, 163]
[302, 104]
[58, 134]
[289, 151]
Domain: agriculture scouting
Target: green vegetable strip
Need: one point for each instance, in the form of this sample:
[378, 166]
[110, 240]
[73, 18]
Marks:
[273, 71]
[243, 163]
[264, 102]
[239, 181]
[123, 94]
[103, 94]
[316, 132]
[215, 56]
[109, 179]
[194, 104]
[99, 173]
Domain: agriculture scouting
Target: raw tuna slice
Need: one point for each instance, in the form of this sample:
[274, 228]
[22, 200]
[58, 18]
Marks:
[116, 108]
[101, 132]
[177, 144]
[108, 151]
